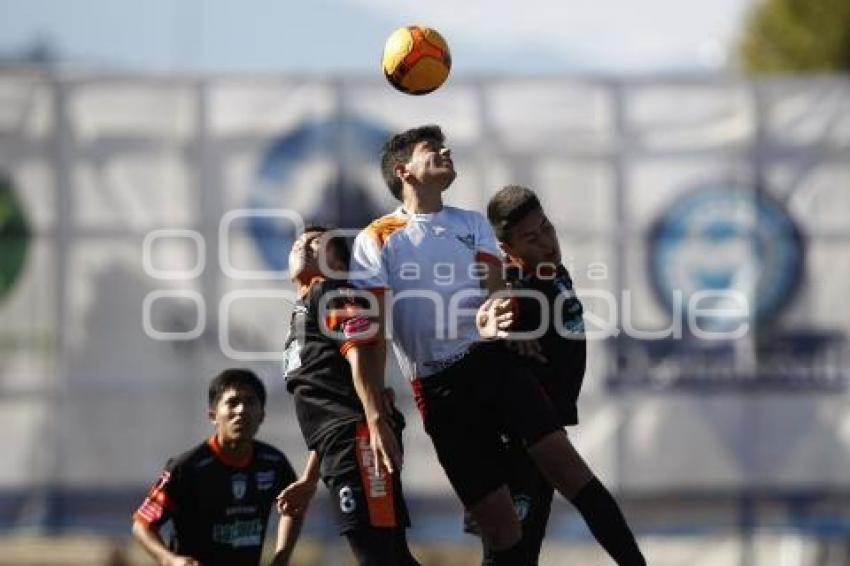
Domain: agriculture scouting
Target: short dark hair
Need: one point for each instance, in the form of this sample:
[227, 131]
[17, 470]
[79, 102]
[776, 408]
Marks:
[338, 243]
[399, 148]
[236, 377]
[508, 206]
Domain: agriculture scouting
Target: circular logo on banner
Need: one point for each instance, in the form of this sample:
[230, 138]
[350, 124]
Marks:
[14, 236]
[725, 238]
[317, 170]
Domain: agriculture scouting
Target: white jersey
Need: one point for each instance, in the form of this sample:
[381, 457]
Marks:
[432, 265]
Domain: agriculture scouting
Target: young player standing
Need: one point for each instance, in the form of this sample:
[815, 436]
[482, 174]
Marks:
[423, 261]
[327, 324]
[219, 494]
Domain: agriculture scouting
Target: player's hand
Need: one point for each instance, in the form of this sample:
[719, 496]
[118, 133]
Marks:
[180, 561]
[528, 348]
[295, 499]
[280, 559]
[494, 317]
[385, 449]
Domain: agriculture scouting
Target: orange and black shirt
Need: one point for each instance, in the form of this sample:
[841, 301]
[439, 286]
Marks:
[219, 507]
[328, 321]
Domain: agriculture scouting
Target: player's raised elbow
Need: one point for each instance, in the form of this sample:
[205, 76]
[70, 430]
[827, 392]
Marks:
[142, 531]
[137, 529]
[366, 356]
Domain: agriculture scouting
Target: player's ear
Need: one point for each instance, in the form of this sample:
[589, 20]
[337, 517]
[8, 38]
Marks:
[401, 171]
[211, 414]
[332, 259]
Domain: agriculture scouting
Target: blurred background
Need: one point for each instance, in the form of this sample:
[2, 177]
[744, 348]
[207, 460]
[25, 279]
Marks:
[151, 155]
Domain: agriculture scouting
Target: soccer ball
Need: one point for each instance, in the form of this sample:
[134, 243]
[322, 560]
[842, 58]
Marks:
[416, 59]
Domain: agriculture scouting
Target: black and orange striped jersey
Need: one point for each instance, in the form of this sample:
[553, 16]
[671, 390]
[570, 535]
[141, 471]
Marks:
[325, 323]
[219, 506]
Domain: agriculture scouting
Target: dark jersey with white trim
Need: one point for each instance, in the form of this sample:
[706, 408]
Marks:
[564, 344]
[314, 363]
[219, 507]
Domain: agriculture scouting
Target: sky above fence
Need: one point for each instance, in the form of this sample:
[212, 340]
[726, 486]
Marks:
[321, 36]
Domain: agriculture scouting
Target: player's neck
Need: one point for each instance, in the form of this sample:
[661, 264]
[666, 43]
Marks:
[234, 449]
[303, 284]
[422, 201]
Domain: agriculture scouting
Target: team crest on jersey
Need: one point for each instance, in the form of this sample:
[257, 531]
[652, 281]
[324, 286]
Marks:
[468, 241]
[265, 480]
[574, 327]
[239, 485]
[522, 505]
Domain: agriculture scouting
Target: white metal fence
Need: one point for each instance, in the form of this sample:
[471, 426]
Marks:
[654, 186]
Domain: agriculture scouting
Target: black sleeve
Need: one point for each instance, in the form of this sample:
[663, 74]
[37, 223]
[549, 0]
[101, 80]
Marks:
[163, 498]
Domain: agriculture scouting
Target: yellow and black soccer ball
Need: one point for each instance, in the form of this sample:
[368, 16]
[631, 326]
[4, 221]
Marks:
[416, 59]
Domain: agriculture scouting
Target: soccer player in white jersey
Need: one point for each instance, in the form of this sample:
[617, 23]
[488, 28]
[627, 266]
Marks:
[430, 267]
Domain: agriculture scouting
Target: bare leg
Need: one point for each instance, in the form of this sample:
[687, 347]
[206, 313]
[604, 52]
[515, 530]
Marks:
[495, 515]
[558, 460]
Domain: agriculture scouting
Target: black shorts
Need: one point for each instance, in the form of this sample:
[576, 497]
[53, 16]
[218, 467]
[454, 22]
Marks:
[359, 497]
[466, 408]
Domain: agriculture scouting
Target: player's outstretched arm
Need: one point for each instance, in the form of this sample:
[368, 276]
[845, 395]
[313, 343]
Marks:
[288, 531]
[295, 499]
[499, 326]
[495, 278]
[292, 504]
[150, 540]
[367, 370]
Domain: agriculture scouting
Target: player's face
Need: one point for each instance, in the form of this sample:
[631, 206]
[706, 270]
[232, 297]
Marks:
[238, 414]
[431, 165]
[533, 242]
[304, 256]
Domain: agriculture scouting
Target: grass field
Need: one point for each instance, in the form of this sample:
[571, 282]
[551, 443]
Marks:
[765, 550]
